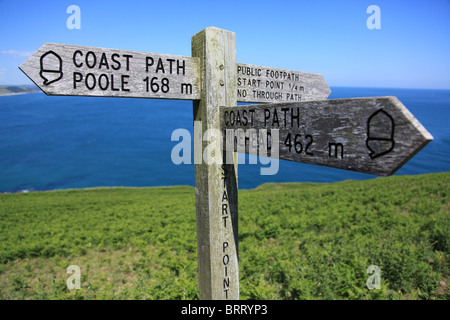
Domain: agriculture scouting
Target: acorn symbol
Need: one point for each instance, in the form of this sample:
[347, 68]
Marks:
[51, 67]
[380, 134]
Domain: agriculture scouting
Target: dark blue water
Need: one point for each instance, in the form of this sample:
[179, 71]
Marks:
[77, 142]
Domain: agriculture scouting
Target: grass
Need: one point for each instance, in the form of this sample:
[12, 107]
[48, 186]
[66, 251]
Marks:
[296, 241]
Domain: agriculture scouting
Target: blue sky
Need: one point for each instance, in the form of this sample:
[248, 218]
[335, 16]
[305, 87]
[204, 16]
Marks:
[411, 50]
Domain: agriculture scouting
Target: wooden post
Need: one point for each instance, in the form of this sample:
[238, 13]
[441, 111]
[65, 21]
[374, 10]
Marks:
[216, 183]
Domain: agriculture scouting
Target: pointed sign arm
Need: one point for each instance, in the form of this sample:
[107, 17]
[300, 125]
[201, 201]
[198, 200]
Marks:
[375, 135]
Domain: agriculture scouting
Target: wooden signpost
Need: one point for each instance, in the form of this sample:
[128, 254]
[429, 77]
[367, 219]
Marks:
[373, 135]
[216, 189]
[66, 70]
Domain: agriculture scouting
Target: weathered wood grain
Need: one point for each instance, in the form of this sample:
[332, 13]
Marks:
[69, 70]
[216, 184]
[272, 85]
[375, 135]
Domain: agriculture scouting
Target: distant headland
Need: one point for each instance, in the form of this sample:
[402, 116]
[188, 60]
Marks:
[6, 90]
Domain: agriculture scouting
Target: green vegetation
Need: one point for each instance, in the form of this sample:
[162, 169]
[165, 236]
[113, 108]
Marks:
[297, 241]
[5, 90]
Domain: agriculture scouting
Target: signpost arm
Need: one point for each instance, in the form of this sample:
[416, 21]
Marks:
[216, 184]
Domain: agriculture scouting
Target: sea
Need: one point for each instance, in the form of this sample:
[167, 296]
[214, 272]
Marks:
[59, 142]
